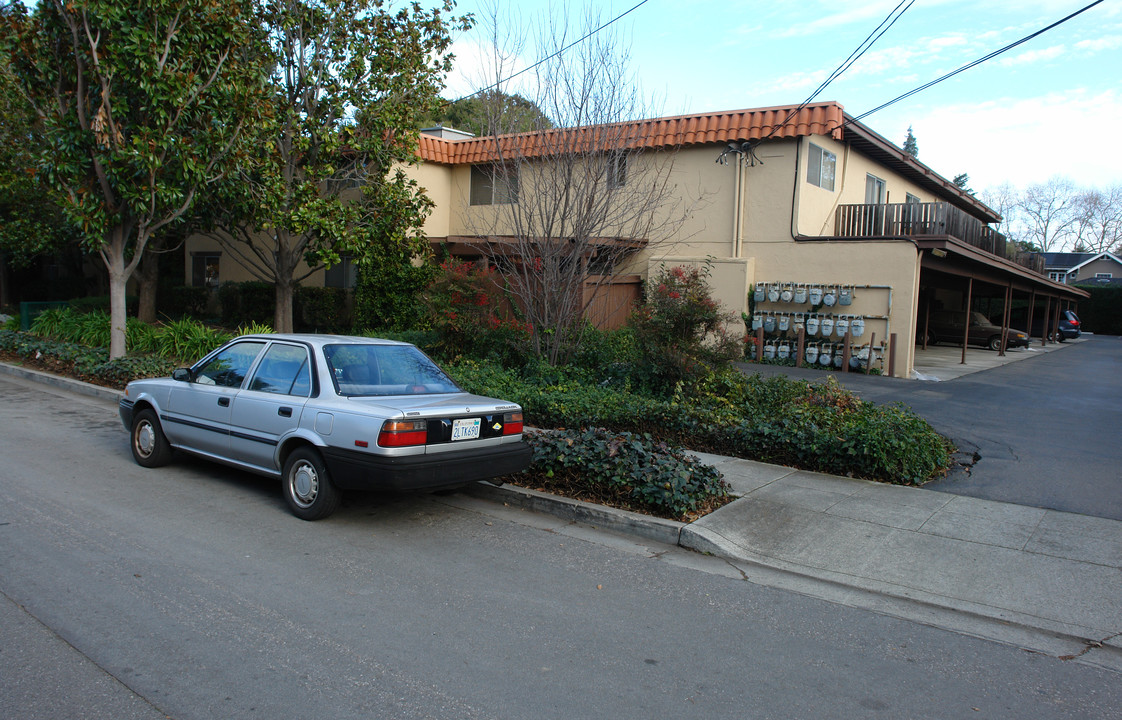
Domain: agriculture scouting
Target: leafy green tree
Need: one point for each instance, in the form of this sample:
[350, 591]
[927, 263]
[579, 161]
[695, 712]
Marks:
[350, 82]
[138, 106]
[492, 112]
[30, 223]
[910, 145]
[962, 181]
[389, 281]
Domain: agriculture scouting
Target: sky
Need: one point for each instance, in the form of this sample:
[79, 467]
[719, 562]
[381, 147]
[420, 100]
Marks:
[1046, 108]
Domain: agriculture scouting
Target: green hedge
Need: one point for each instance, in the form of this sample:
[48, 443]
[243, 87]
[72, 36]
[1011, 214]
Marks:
[815, 426]
[1102, 313]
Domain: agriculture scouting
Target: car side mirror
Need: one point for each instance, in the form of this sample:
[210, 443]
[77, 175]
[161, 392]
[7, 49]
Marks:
[182, 375]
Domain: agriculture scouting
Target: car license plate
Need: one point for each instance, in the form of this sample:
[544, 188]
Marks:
[465, 429]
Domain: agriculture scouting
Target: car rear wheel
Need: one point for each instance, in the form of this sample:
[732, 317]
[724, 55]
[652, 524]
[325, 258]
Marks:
[995, 342]
[149, 446]
[307, 487]
[1060, 337]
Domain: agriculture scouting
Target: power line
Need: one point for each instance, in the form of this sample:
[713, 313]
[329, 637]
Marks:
[979, 61]
[547, 59]
[854, 56]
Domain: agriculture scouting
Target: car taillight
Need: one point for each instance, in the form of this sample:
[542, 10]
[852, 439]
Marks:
[512, 423]
[1074, 323]
[403, 433]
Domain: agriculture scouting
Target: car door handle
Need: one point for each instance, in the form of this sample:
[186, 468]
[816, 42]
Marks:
[224, 402]
[285, 412]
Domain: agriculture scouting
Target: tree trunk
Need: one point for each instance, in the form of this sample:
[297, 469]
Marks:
[118, 315]
[282, 317]
[147, 281]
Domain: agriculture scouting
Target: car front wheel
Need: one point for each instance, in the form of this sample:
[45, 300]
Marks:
[307, 488]
[149, 446]
[995, 342]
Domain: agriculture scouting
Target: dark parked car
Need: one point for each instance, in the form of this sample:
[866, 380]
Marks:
[947, 326]
[1070, 326]
[325, 413]
[1069, 329]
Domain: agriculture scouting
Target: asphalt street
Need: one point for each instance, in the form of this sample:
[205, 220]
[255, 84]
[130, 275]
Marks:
[1045, 430]
[190, 592]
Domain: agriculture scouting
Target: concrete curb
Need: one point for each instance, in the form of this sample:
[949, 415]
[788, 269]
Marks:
[63, 383]
[605, 518]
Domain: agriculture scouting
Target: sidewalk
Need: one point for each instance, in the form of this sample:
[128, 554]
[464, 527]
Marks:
[1044, 580]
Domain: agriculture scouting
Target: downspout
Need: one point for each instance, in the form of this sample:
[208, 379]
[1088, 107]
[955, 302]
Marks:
[738, 208]
[795, 235]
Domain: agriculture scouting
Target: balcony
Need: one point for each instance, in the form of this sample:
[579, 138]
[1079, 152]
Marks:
[929, 219]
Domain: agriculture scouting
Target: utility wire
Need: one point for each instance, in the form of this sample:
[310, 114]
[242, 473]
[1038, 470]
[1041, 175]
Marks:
[854, 56]
[547, 59]
[979, 61]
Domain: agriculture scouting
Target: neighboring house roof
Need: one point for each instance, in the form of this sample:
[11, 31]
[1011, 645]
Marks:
[1065, 260]
[825, 118]
[1092, 257]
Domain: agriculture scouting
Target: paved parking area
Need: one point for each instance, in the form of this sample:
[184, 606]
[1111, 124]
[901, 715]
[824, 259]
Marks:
[1044, 426]
[944, 362]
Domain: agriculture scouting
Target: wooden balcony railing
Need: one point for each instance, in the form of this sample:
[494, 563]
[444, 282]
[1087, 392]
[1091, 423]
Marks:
[896, 219]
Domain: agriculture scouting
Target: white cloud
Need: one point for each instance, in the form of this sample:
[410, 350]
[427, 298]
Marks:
[1107, 42]
[476, 67]
[1031, 56]
[1024, 140]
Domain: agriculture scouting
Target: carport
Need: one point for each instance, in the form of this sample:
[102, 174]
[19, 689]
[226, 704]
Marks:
[959, 276]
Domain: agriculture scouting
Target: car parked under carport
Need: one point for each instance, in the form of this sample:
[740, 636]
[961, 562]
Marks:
[948, 326]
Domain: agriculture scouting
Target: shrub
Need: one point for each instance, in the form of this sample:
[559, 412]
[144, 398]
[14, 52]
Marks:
[189, 340]
[68, 325]
[101, 303]
[1102, 312]
[613, 352]
[140, 337]
[182, 301]
[815, 426]
[247, 302]
[680, 330]
[472, 316]
[624, 469]
[322, 309]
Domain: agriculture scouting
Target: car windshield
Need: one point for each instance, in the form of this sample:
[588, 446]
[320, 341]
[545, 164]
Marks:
[375, 370]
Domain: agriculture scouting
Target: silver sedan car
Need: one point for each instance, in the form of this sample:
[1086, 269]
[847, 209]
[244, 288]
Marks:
[326, 413]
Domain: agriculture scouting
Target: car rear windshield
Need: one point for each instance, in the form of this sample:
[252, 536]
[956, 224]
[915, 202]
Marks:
[373, 370]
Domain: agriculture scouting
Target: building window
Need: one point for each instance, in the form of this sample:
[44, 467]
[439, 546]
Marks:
[1058, 276]
[204, 269]
[341, 275]
[1103, 275]
[820, 167]
[617, 170]
[494, 184]
[874, 190]
[912, 199]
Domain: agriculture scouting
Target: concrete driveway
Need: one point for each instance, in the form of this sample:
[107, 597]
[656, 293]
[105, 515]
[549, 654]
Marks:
[1046, 428]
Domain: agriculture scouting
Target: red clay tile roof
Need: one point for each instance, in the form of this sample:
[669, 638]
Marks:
[720, 127]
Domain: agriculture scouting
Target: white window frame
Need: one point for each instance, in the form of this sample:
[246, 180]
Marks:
[617, 170]
[879, 188]
[821, 167]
